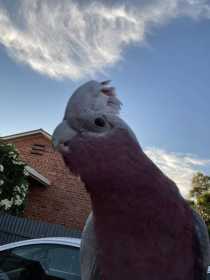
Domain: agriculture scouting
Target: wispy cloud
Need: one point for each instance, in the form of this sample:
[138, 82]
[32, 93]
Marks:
[74, 39]
[178, 167]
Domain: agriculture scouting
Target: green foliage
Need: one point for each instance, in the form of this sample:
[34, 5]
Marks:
[200, 184]
[13, 180]
[200, 196]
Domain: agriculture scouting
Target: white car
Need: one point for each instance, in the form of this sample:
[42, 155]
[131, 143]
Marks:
[43, 258]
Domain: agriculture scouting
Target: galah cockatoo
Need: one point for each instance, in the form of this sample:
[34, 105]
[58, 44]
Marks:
[143, 227]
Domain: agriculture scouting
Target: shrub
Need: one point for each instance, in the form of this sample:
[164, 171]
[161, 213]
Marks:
[13, 180]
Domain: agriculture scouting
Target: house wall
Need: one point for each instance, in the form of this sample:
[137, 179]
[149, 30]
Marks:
[65, 201]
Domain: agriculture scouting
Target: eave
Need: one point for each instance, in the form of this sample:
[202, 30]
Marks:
[37, 176]
[27, 133]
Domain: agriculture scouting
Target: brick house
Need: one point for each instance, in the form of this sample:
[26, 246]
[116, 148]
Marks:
[55, 195]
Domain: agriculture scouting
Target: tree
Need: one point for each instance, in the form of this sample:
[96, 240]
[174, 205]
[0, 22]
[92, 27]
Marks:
[200, 196]
[13, 180]
[200, 185]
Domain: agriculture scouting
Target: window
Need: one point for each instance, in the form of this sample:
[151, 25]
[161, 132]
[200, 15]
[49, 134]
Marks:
[57, 260]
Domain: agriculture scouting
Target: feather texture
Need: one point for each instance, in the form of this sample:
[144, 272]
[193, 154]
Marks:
[143, 227]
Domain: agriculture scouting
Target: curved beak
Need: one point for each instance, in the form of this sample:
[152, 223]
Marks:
[62, 134]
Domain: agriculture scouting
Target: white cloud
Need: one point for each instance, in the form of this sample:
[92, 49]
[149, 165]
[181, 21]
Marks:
[74, 39]
[179, 167]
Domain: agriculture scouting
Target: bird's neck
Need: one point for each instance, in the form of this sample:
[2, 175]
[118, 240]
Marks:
[130, 198]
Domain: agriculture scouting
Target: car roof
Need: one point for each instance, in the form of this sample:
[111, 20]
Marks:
[68, 241]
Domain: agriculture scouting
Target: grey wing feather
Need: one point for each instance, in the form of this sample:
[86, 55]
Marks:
[203, 246]
[88, 252]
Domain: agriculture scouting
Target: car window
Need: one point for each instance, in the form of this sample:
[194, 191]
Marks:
[14, 267]
[56, 260]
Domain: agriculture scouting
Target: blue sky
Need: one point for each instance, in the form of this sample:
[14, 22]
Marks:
[157, 54]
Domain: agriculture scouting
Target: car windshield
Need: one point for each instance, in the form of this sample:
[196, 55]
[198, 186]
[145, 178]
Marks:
[54, 260]
[14, 267]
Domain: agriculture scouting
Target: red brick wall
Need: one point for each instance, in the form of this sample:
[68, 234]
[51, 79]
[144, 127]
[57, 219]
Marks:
[65, 201]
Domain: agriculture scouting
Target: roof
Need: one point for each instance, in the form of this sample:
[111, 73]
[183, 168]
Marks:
[37, 176]
[75, 242]
[27, 133]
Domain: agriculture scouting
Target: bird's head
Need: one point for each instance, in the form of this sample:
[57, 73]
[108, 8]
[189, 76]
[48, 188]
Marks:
[92, 137]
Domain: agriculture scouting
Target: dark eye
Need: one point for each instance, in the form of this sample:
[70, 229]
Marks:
[100, 122]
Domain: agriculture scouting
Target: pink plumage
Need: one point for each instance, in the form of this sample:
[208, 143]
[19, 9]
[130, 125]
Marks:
[144, 228]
